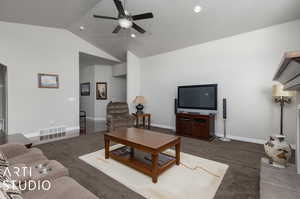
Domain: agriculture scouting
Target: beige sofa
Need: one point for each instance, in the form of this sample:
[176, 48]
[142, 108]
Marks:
[62, 186]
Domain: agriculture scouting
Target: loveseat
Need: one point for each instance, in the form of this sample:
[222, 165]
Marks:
[14, 156]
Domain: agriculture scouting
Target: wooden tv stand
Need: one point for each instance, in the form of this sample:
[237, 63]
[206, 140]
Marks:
[195, 125]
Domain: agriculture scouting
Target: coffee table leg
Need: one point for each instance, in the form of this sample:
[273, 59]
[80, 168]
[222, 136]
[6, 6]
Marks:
[106, 148]
[154, 167]
[137, 122]
[177, 148]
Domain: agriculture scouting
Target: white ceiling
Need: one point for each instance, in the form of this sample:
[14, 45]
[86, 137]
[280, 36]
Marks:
[52, 13]
[174, 26]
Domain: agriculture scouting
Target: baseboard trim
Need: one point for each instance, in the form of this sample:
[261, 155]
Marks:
[233, 137]
[74, 129]
[244, 139]
[96, 118]
[163, 126]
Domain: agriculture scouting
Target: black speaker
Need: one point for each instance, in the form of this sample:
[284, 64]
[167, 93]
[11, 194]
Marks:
[175, 105]
[224, 108]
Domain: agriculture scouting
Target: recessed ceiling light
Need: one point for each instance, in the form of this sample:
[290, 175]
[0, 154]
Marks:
[197, 9]
[133, 35]
[81, 28]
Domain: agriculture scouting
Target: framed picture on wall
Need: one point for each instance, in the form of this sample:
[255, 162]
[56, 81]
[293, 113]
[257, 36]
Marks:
[101, 91]
[48, 80]
[85, 89]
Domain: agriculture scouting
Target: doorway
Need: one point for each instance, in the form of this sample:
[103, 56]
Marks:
[3, 100]
[94, 71]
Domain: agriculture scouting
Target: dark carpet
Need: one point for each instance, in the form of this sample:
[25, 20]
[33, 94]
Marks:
[240, 182]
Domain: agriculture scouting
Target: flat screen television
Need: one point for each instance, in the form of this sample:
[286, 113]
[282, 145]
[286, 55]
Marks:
[198, 97]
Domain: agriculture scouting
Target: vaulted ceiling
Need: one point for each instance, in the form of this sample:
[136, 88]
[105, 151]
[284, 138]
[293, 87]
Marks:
[174, 26]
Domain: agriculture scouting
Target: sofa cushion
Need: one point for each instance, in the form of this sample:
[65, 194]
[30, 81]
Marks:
[32, 156]
[61, 188]
[57, 170]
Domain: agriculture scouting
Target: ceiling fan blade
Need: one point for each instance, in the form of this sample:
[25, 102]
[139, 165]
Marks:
[117, 29]
[105, 17]
[143, 16]
[138, 28]
[119, 6]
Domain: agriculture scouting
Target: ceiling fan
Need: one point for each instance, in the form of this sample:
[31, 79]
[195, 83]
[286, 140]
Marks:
[125, 19]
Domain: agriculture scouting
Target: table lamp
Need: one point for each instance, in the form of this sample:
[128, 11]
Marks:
[140, 101]
[282, 97]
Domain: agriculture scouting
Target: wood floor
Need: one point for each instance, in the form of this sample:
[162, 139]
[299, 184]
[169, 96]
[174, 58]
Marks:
[240, 182]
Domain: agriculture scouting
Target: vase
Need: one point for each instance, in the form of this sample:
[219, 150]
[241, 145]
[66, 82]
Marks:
[278, 151]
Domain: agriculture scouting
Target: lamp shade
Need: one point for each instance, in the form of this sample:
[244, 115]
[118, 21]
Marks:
[279, 92]
[139, 100]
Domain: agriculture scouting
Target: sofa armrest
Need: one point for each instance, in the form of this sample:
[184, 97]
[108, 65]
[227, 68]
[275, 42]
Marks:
[13, 150]
[109, 118]
[132, 119]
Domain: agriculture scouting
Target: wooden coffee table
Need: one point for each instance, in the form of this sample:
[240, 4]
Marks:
[148, 142]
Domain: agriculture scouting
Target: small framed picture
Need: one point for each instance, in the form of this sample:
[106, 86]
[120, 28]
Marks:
[85, 89]
[101, 91]
[48, 80]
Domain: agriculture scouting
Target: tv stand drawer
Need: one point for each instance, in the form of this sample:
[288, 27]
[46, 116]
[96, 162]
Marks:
[195, 125]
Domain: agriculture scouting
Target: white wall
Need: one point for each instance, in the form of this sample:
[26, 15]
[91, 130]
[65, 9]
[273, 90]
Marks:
[28, 50]
[243, 66]
[119, 70]
[133, 79]
[2, 97]
[87, 103]
[2, 102]
[116, 90]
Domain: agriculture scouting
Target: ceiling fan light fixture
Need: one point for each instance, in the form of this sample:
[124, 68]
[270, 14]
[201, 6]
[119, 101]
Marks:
[133, 35]
[125, 23]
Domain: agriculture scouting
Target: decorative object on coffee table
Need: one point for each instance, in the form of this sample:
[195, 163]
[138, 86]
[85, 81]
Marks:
[144, 117]
[146, 141]
[278, 151]
[139, 101]
[282, 97]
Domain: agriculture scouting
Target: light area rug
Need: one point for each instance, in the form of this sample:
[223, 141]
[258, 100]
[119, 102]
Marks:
[194, 178]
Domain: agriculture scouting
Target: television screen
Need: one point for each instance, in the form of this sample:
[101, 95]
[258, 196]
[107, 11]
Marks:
[198, 97]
